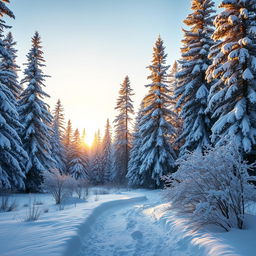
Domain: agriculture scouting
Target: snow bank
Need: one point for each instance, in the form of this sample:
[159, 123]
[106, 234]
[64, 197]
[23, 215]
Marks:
[210, 241]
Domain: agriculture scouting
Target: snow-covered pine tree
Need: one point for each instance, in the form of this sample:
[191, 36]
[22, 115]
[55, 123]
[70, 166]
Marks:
[133, 175]
[107, 156]
[176, 122]
[67, 135]
[172, 77]
[96, 168]
[58, 114]
[9, 67]
[173, 85]
[35, 117]
[232, 99]
[193, 88]
[157, 157]
[122, 141]
[78, 164]
[58, 150]
[67, 141]
[12, 155]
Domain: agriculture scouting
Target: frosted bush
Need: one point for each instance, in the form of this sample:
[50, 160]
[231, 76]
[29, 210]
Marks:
[212, 188]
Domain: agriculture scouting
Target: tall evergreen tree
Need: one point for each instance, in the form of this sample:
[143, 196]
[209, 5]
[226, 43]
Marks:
[9, 67]
[12, 156]
[232, 99]
[173, 85]
[133, 175]
[107, 155]
[78, 164]
[193, 88]
[58, 114]
[96, 167]
[35, 117]
[122, 143]
[67, 141]
[177, 121]
[58, 150]
[67, 136]
[156, 154]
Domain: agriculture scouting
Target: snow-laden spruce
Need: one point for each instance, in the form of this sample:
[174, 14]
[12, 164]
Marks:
[173, 83]
[58, 115]
[133, 175]
[122, 141]
[107, 154]
[212, 187]
[78, 163]
[67, 141]
[58, 150]
[193, 88]
[176, 122]
[232, 99]
[9, 67]
[96, 168]
[35, 117]
[157, 157]
[12, 156]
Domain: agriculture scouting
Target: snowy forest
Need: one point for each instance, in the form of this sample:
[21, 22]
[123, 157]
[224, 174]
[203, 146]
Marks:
[192, 141]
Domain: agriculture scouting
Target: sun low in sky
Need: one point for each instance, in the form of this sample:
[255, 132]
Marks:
[90, 46]
[88, 139]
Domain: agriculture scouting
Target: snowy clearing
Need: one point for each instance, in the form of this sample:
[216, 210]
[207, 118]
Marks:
[121, 223]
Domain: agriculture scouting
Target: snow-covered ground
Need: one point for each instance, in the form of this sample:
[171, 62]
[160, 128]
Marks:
[50, 234]
[121, 223]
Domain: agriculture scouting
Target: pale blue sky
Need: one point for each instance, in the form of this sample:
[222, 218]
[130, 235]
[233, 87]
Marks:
[90, 45]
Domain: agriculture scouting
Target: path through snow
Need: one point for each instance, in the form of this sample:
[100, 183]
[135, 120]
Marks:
[128, 231]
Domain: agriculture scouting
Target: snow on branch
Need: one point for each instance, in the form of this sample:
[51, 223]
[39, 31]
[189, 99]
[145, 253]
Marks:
[212, 188]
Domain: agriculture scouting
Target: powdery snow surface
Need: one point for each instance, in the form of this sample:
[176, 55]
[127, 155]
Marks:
[126, 230]
[49, 235]
[127, 223]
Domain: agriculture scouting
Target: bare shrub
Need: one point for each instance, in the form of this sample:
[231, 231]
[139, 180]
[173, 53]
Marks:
[7, 204]
[33, 213]
[81, 188]
[212, 188]
[59, 186]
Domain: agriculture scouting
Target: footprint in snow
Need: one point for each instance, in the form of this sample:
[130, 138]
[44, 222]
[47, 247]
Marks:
[131, 224]
[137, 235]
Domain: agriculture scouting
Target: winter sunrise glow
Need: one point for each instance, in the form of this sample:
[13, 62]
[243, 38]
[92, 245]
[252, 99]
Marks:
[107, 41]
[127, 127]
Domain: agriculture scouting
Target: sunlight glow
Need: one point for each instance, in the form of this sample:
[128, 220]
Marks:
[91, 127]
[88, 139]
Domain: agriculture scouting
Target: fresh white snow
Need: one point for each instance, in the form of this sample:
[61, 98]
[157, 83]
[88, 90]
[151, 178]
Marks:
[122, 223]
